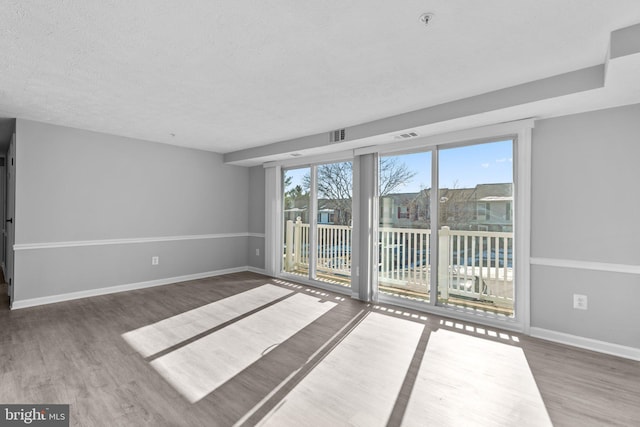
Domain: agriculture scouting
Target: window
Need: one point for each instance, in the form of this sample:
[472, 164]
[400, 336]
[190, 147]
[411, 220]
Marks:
[484, 211]
[319, 251]
[474, 266]
[475, 261]
[404, 241]
[451, 243]
[403, 212]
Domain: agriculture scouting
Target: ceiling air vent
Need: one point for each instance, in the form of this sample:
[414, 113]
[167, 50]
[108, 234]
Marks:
[337, 135]
[407, 135]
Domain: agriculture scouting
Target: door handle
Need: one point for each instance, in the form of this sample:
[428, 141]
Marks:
[10, 220]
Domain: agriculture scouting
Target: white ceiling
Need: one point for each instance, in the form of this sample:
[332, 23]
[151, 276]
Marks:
[230, 75]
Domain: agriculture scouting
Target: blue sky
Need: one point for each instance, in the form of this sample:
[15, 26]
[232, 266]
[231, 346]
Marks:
[462, 167]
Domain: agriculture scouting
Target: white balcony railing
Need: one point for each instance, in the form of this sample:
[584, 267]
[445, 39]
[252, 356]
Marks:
[472, 264]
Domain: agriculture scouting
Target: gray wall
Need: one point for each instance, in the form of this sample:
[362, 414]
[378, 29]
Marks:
[74, 185]
[586, 207]
[256, 216]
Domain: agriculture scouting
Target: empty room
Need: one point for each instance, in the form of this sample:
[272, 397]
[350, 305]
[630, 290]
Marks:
[236, 213]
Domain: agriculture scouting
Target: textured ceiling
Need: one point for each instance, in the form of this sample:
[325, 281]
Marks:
[230, 75]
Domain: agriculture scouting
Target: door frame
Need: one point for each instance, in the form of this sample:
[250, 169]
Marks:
[520, 133]
[10, 223]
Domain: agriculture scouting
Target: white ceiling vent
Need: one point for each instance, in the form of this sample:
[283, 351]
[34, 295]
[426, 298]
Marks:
[337, 135]
[407, 135]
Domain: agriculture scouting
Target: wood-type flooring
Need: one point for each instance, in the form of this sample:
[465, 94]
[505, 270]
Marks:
[246, 349]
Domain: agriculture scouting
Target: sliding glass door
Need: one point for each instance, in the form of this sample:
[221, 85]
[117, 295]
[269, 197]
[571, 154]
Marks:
[404, 188]
[334, 225]
[476, 201]
[464, 220]
[318, 222]
[296, 211]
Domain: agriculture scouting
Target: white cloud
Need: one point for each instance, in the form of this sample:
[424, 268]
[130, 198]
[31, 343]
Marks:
[485, 165]
[502, 160]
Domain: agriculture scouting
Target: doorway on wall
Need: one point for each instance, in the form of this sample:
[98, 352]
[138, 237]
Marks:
[9, 216]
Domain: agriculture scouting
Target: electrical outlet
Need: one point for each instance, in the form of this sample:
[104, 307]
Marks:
[579, 302]
[155, 260]
[257, 252]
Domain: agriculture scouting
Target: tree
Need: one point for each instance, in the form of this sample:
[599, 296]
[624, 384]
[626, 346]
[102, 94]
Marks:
[335, 184]
[393, 175]
[293, 196]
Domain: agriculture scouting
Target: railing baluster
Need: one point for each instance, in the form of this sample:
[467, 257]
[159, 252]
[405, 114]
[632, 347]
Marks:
[488, 259]
[452, 252]
[392, 260]
[466, 259]
[390, 238]
[473, 258]
[394, 254]
[403, 236]
[496, 271]
[414, 247]
[379, 255]
[505, 263]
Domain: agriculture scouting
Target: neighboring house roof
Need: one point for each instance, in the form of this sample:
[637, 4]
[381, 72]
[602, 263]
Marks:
[481, 192]
[494, 190]
[457, 194]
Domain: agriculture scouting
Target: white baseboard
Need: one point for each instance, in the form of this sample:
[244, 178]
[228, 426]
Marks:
[122, 288]
[257, 270]
[587, 343]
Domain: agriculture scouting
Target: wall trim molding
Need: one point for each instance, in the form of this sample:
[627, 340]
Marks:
[104, 242]
[257, 270]
[32, 302]
[586, 265]
[587, 343]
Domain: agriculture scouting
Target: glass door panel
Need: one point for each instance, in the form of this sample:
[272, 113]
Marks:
[404, 188]
[334, 223]
[296, 211]
[475, 220]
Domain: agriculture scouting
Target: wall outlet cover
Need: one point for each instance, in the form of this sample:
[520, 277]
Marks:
[580, 302]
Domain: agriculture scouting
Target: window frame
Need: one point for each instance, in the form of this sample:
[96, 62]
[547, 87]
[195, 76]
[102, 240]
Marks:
[519, 131]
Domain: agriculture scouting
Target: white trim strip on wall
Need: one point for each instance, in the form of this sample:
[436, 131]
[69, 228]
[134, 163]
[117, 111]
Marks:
[587, 343]
[32, 302]
[586, 265]
[104, 242]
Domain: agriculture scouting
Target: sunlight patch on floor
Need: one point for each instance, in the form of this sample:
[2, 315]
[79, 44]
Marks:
[159, 336]
[200, 367]
[358, 382]
[467, 380]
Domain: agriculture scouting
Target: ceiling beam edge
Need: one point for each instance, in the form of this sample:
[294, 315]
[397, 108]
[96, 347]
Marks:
[552, 87]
